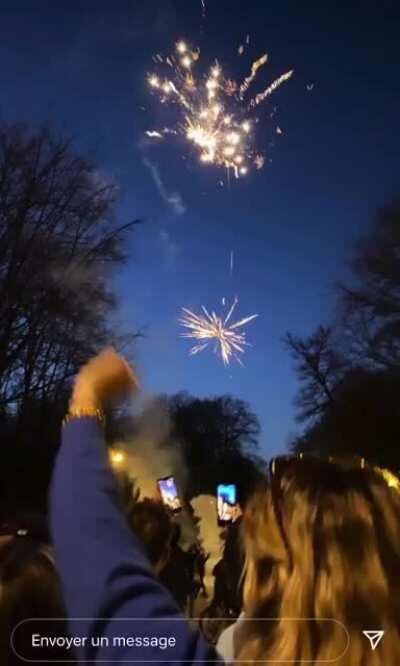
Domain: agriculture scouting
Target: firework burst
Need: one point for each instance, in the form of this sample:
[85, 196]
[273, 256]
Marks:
[229, 341]
[216, 113]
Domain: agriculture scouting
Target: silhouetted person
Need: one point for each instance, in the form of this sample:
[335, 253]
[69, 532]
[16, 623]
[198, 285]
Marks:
[151, 521]
[29, 588]
[176, 574]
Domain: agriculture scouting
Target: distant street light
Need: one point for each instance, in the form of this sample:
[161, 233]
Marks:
[117, 458]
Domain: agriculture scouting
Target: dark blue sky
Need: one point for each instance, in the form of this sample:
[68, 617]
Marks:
[82, 68]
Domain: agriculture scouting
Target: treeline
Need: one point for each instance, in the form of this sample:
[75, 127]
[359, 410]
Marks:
[349, 370]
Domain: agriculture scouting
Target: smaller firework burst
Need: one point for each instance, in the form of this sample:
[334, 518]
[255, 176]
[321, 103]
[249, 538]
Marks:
[210, 327]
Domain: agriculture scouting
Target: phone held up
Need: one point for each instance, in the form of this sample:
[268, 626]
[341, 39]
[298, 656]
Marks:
[169, 493]
[227, 506]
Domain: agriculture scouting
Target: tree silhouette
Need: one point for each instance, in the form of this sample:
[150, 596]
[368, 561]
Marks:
[349, 373]
[216, 439]
[371, 305]
[364, 421]
[219, 441]
[320, 369]
[58, 245]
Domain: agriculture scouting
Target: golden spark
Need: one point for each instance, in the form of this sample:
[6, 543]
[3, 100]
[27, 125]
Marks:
[215, 117]
[209, 327]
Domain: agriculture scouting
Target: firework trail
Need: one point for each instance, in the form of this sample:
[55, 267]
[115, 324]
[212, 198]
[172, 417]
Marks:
[253, 73]
[209, 327]
[215, 116]
[271, 88]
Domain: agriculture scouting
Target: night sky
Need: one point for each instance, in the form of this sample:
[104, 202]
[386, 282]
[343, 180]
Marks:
[81, 67]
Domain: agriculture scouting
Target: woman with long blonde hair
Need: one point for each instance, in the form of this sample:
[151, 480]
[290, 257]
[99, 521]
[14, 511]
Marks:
[322, 557]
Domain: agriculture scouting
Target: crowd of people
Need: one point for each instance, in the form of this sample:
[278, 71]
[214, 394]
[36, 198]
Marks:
[313, 563]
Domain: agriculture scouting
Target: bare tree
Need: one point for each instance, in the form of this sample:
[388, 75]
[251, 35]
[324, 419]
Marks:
[350, 375]
[218, 439]
[58, 242]
[320, 369]
[371, 304]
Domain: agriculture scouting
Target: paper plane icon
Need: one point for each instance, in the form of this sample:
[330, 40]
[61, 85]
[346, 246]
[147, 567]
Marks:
[374, 638]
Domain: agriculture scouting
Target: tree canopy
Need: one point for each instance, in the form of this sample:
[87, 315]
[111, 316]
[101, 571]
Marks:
[349, 372]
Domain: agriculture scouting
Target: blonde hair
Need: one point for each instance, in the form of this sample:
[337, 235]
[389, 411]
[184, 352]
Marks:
[322, 541]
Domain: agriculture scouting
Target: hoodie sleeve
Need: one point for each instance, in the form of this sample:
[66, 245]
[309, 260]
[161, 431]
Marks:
[111, 594]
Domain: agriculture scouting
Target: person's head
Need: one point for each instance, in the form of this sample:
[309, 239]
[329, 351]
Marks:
[233, 557]
[29, 589]
[322, 541]
[151, 521]
[176, 534]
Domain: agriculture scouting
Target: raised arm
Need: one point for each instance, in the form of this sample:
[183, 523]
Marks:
[105, 575]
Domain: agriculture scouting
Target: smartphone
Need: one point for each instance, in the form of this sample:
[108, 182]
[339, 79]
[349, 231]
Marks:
[226, 503]
[169, 493]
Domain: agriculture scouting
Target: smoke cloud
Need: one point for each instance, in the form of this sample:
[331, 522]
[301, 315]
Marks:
[173, 200]
[149, 457]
